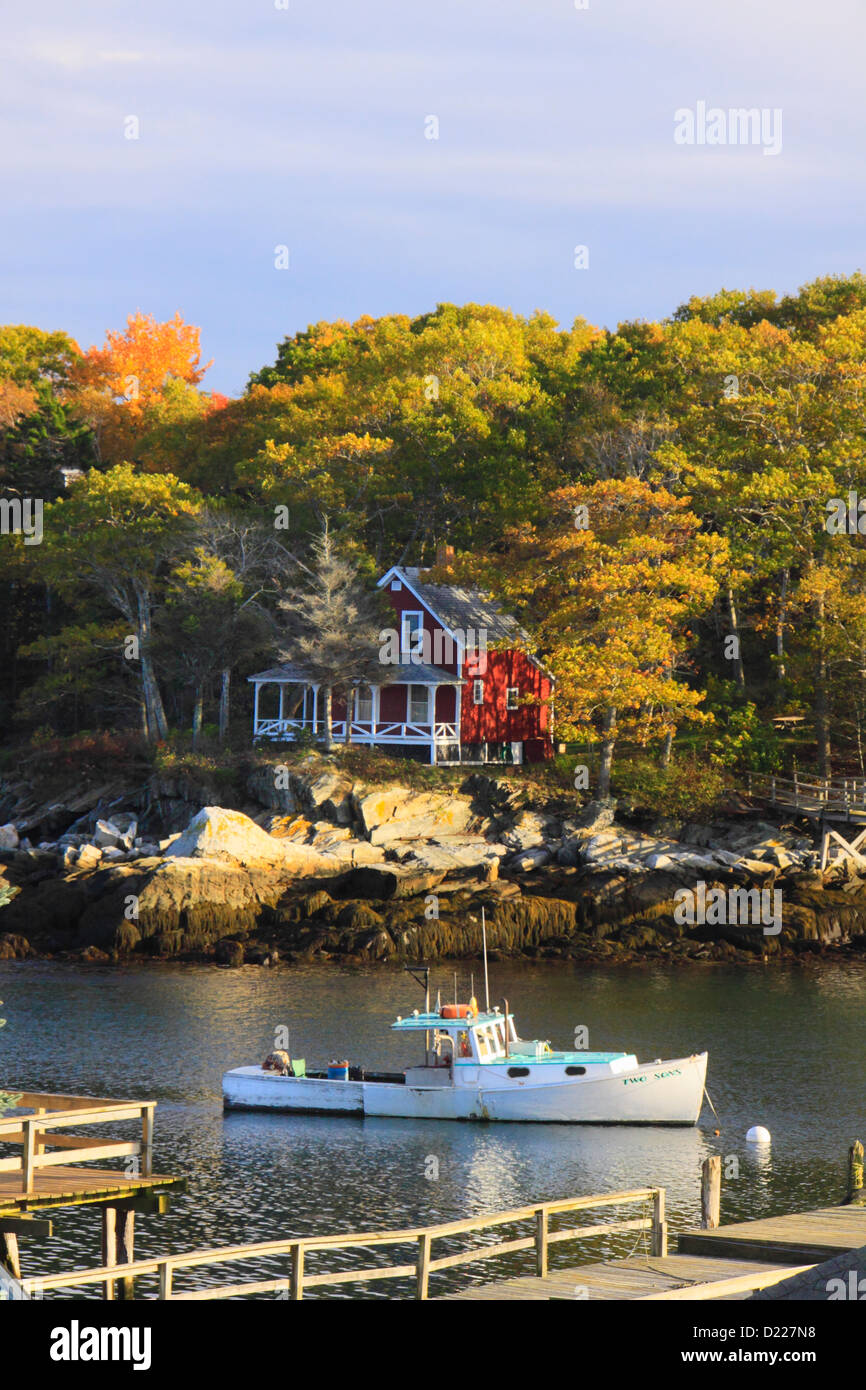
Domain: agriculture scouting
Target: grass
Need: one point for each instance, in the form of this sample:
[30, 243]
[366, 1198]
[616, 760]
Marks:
[692, 787]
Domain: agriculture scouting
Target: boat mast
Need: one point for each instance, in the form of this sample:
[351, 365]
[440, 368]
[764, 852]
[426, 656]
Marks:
[486, 980]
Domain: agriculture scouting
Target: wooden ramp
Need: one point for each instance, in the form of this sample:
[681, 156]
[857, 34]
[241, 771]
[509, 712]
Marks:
[637, 1277]
[806, 1237]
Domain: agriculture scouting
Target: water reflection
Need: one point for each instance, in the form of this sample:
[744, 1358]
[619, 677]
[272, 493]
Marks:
[775, 1036]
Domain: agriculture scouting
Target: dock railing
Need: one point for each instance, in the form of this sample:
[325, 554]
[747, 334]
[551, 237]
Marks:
[37, 1133]
[844, 797]
[299, 1278]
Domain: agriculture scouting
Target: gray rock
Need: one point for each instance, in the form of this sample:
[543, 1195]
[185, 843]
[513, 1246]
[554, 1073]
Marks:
[530, 859]
[8, 837]
[596, 815]
[106, 834]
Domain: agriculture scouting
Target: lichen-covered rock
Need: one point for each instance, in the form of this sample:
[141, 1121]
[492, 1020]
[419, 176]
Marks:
[229, 952]
[216, 833]
[397, 813]
[13, 946]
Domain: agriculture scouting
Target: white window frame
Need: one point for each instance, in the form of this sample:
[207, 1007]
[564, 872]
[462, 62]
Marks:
[369, 700]
[478, 692]
[408, 646]
[512, 697]
[410, 717]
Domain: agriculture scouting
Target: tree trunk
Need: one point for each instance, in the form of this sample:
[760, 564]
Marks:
[350, 703]
[822, 702]
[780, 627]
[735, 632]
[665, 755]
[607, 746]
[225, 690]
[156, 720]
[197, 716]
[329, 717]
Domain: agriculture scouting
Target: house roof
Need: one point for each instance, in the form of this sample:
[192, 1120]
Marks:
[461, 607]
[413, 674]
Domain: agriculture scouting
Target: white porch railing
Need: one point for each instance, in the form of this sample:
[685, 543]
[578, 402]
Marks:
[362, 731]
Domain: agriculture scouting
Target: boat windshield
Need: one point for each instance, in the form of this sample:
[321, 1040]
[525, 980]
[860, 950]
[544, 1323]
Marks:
[491, 1041]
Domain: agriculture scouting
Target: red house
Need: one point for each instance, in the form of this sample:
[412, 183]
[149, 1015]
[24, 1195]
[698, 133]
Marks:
[459, 684]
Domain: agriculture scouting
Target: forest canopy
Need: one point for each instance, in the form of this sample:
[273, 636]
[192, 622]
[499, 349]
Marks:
[672, 509]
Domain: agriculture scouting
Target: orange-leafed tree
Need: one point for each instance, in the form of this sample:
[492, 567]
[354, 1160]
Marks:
[612, 581]
[121, 382]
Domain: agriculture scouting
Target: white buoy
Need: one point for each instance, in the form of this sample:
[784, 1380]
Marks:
[758, 1135]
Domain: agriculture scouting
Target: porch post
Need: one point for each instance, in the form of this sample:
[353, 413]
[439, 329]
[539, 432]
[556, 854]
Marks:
[315, 712]
[431, 719]
[458, 710]
[374, 693]
[256, 710]
[280, 713]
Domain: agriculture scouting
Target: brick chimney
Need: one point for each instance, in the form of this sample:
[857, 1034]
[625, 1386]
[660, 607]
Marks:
[444, 554]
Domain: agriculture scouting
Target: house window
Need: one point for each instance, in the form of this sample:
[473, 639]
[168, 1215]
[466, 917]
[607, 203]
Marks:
[412, 634]
[511, 697]
[417, 704]
[364, 704]
[478, 692]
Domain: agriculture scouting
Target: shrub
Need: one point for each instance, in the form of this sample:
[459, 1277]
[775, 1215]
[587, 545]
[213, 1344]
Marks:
[688, 789]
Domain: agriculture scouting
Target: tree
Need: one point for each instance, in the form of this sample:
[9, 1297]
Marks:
[213, 618]
[121, 385]
[611, 582]
[331, 626]
[114, 534]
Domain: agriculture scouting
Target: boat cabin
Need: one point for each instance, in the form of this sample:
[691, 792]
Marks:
[464, 1036]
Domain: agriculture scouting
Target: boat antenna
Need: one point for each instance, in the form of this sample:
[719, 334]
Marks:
[455, 986]
[486, 980]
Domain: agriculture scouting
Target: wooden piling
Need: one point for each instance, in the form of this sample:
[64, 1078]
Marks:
[9, 1255]
[711, 1192]
[125, 1238]
[109, 1247]
[855, 1173]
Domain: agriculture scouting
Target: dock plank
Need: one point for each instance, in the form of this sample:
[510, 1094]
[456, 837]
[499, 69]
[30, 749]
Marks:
[74, 1185]
[632, 1278]
[807, 1237]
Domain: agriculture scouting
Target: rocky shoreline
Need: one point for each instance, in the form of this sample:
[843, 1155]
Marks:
[314, 865]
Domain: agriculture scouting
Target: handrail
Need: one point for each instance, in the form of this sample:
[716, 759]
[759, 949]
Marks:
[34, 1133]
[421, 1237]
[828, 794]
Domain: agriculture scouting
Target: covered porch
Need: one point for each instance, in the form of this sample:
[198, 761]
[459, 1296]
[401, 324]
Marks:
[417, 706]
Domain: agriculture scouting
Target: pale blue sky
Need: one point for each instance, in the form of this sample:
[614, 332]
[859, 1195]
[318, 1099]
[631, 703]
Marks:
[305, 126]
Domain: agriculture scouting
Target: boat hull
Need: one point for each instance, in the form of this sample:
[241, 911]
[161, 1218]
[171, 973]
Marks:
[659, 1093]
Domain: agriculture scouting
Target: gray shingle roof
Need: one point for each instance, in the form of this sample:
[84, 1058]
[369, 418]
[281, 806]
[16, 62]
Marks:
[391, 675]
[471, 608]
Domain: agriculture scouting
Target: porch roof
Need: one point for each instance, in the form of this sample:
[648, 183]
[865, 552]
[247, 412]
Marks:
[391, 675]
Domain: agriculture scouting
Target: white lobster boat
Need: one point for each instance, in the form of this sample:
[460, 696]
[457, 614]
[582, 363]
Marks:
[476, 1067]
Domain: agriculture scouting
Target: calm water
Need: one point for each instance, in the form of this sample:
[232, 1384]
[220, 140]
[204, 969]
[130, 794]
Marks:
[786, 1046]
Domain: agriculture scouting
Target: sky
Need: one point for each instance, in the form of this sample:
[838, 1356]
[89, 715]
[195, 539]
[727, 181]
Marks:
[305, 124]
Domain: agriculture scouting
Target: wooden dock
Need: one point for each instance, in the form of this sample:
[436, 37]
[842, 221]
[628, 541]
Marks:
[52, 1171]
[639, 1277]
[64, 1186]
[807, 1237]
[729, 1262]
